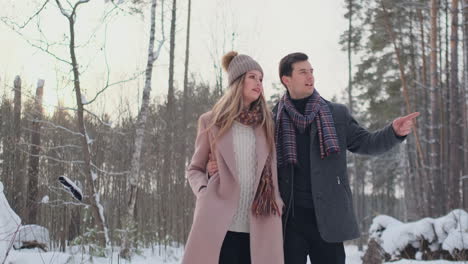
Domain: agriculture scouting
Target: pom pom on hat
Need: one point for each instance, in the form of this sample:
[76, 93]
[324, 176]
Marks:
[227, 58]
[236, 65]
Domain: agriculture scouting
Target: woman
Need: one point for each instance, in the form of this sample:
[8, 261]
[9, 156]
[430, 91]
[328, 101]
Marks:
[238, 210]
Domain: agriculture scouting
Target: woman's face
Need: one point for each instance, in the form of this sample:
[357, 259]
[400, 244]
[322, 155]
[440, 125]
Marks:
[253, 86]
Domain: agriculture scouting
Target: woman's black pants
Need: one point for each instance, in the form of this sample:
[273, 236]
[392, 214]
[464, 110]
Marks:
[235, 248]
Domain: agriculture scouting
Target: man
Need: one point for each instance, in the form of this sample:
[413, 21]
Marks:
[312, 136]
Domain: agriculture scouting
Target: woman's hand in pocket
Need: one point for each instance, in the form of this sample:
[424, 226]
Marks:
[211, 166]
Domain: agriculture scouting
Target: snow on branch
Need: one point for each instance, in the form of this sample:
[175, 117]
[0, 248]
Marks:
[428, 236]
[71, 187]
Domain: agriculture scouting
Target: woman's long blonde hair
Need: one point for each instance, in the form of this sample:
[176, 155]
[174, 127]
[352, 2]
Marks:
[230, 106]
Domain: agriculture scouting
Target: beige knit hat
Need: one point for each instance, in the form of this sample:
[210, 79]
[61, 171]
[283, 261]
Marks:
[237, 64]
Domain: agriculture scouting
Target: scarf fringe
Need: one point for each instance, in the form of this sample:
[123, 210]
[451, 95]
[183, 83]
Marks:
[264, 202]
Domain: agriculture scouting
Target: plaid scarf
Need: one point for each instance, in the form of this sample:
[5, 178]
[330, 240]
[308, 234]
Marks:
[264, 203]
[288, 118]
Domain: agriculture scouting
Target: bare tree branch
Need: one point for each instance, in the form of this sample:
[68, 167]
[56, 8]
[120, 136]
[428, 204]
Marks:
[8, 23]
[33, 16]
[62, 10]
[113, 84]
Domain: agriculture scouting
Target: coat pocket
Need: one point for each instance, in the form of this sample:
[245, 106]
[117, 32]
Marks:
[213, 177]
[347, 191]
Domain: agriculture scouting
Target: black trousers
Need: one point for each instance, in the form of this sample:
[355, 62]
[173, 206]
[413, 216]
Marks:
[302, 238]
[235, 248]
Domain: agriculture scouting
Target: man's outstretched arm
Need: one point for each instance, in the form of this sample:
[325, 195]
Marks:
[361, 141]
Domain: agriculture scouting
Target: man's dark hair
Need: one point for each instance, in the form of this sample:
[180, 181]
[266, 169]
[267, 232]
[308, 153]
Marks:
[285, 65]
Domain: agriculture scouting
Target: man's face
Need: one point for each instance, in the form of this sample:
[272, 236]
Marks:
[301, 82]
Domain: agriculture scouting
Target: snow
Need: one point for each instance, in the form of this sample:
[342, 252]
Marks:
[40, 83]
[73, 188]
[448, 232]
[452, 229]
[9, 224]
[45, 199]
[31, 233]
[418, 255]
[83, 99]
[101, 215]
[170, 255]
[353, 255]
[32, 256]
[380, 223]
[457, 219]
[93, 175]
[456, 240]
[89, 140]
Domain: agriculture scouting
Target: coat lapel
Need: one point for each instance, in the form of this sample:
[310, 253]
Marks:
[225, 147]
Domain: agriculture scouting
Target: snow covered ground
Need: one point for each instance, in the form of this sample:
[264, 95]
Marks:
[170, 256]
[10, 227]
[353, 256]
[33, 256]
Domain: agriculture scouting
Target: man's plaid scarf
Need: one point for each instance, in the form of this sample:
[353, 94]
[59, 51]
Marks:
[287, 117]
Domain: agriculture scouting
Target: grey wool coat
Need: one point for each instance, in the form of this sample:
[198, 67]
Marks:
[331, 192]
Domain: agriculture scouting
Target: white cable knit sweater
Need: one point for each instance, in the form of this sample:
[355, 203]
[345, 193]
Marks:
[246, 163]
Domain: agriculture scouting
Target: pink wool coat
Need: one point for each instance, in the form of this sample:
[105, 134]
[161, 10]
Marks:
[217, 203]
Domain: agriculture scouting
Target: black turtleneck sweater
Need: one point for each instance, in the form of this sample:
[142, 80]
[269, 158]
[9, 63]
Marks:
[302, 181]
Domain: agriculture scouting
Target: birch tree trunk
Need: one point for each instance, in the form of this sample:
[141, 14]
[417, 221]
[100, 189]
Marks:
[133, 177]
